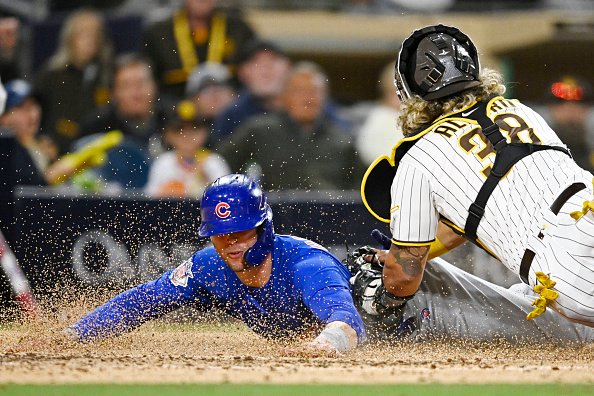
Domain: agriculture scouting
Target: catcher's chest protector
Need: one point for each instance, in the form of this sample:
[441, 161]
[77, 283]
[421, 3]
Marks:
[377, 181]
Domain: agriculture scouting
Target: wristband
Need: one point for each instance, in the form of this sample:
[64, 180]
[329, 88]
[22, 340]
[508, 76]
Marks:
[436, 249]
[71, 334]
[387, 300]
[337, 337]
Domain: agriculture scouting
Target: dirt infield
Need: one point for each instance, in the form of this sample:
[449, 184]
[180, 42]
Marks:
[165, 353]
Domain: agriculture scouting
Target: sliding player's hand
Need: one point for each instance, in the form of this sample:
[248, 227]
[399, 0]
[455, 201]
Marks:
[317, 348]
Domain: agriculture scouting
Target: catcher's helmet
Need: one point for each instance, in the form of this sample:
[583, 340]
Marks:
[235, 203]
[436, 61]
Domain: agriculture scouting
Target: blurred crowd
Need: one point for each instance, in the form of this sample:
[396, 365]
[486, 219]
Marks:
[202, 95]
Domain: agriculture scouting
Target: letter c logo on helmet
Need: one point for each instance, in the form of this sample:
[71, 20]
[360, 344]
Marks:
[222, 210]
[250, 211]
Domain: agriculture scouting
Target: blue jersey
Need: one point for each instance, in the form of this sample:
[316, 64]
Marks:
[308, 287]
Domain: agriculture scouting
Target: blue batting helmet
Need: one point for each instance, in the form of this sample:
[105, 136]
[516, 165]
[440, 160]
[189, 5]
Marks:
[232, 203]
[235, 203]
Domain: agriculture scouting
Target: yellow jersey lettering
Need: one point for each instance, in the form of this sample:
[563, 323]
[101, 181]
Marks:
[474, 141]
[501, 104]
[449, 128]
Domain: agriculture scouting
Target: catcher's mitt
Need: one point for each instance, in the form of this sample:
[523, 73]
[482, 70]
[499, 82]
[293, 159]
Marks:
[355, 260]
[381, 311]
[379, 308]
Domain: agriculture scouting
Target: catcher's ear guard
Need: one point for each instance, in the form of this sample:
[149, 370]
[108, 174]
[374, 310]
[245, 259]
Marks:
[375, 187]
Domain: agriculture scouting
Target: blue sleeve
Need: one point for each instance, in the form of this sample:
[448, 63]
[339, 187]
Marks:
[130, 309]
[326, 292]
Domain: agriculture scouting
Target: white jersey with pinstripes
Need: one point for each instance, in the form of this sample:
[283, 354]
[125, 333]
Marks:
[443, 172]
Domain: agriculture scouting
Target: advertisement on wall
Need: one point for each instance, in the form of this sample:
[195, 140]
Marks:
[98, 242]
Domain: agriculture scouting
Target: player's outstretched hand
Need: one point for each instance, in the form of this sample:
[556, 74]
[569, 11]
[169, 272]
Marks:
[313, 349]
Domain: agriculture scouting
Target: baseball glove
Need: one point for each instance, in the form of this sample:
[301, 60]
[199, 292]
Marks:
[370, 295]
[355, 260]
[378, 307]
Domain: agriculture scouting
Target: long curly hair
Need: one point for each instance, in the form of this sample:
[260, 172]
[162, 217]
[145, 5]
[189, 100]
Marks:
[417, 113]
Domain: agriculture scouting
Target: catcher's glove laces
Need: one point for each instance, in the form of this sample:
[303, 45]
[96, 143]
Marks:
[547, 295]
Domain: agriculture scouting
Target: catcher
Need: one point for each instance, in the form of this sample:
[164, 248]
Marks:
[478, 166]
[453, 304]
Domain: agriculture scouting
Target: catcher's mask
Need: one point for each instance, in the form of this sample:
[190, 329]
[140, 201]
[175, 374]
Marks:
[434, 62]
[235, 203]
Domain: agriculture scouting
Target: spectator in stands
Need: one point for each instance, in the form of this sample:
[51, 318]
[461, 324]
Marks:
[31, 155]
[211, 90]
[9, 39]
[379, 132]
[76, 78]
[569, 110]
[297, 146]
[33, 159]
[134, 108]
[198, 32]
[186, 169]
[136, 112]
[262, 70]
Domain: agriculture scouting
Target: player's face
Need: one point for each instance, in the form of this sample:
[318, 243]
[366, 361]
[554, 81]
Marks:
[232, 246]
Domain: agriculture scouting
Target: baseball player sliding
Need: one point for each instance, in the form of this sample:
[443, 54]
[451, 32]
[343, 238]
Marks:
[283, 286]
[280, 286]
[478, 166]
